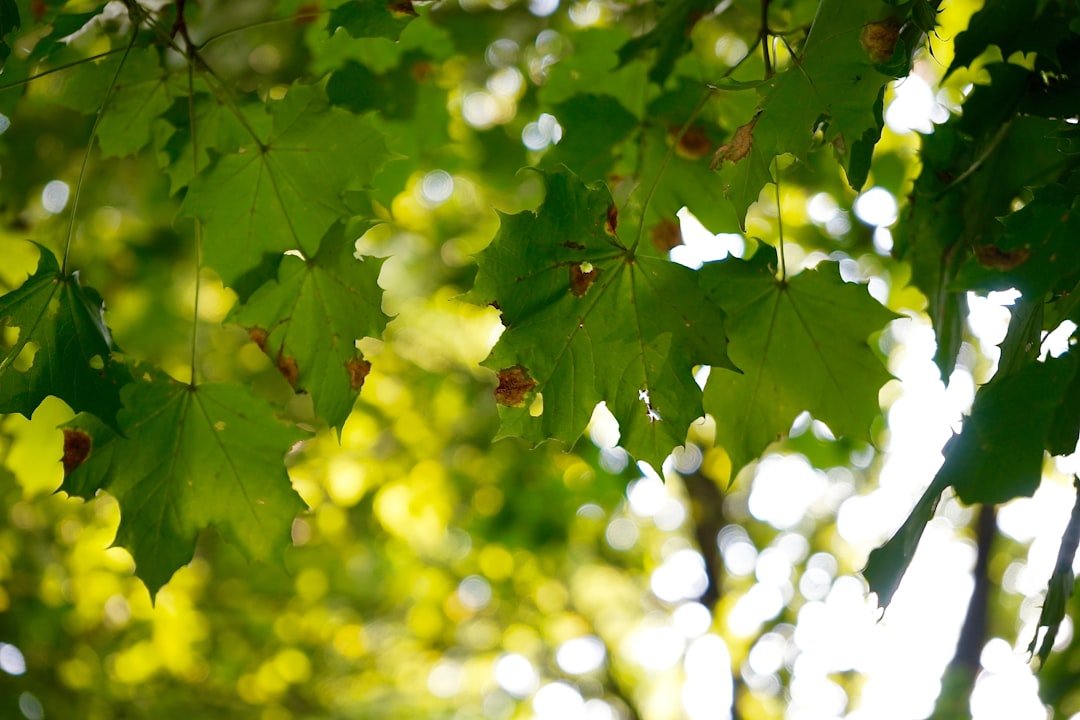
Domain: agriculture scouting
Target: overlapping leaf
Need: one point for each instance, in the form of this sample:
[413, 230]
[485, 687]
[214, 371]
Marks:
[837, 82]
[284, 189]
[189, 458]
[589, 321]
[142, 93]
[994, 458]
[309, 320]
[372, 18]
[802, 345]
[61, 324]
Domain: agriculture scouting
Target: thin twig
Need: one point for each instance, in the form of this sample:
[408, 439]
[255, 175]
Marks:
[58, 68]
[90, 147]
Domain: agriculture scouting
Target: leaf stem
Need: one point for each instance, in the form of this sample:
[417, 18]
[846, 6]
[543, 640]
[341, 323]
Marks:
[192, 54]
[259, 23]
[780, 223]
[763, 37]
[58, 68]
[89, 149]
[198, 224]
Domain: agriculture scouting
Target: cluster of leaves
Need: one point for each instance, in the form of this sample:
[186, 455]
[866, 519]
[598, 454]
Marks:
[272, 188]
[994, 208]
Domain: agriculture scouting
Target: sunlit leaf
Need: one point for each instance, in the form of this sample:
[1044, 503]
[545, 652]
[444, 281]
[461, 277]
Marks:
[589, 321]
[802, 346]
[284, 189]
[308, 322]
[189, 458]
[63, 339]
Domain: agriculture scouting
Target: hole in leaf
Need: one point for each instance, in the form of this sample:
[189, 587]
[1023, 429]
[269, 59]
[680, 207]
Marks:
[77, 446]
[536, 407]
[514, 384]
[96, 363]
[650, 411]
[25, 359]
[219, 425]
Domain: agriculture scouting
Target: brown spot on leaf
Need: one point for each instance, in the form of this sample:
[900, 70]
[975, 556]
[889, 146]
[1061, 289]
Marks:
[422, 70]
[737, 147]
[573, 245]
[38, 8]
[612, 220]
[77, 446]
[306, 14]
[358, 368]
[665, 235]
[259, 337]
[514, 384]
[994, 257]
[402, 7]
[582, 276]
[879, 39]
[286, 364]
[694, 143]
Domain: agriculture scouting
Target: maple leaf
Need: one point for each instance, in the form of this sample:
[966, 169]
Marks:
[283, 190]
[142, 92]
[311, 317]
[802, 345]
[589, 321]
[836, 82]
[189, 458]
[372, 18]
[63, 322]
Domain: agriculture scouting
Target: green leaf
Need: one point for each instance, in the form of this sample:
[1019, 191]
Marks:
[836, 83]
[1037, 249]
[684, 180]
[142, 93]
[1012, 25]
[802, 345]
[1061, 585]
[219, 131]
[593, 126]
[589, 321]
[286, 188]
[189, 458]
[670, 36]
[887, 564]
[9, 23]
[309, 320]
[995, 458]
[61, 325]
[372, 18]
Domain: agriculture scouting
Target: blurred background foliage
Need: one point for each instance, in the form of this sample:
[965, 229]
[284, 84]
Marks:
[438, 575]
